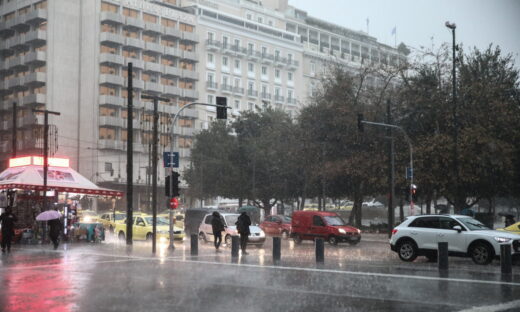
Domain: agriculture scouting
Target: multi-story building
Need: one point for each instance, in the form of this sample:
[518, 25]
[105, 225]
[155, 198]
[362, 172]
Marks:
[71, 56]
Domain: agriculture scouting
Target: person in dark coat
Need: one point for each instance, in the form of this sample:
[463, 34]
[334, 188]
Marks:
[54, 231]
[7, 220]
[243, 224]
[218, 226]
[510, 220]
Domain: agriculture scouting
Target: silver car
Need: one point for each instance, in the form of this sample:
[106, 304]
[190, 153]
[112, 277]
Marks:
[257, 236]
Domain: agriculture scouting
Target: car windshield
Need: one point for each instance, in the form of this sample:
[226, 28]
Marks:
[160, 221]
[334, 220]
[473, 225]
[286, 219]
[231, 219]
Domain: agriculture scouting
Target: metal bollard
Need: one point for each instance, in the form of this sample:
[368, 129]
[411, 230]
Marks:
[277, 246]
[235, 242]
[320, 250]
[194, 240]
[442, 254]
[505, 259]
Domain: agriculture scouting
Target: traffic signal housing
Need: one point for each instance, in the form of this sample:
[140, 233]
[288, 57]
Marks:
[221, 107]
[174, 187]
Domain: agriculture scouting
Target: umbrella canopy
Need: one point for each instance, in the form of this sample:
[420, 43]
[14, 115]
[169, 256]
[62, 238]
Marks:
[48, 215]
[61, 179]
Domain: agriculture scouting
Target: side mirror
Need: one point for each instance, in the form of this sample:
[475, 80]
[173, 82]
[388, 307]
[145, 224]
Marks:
[457, 228]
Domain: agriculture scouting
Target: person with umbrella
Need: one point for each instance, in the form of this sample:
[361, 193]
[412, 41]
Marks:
[7, 220]
[243, 224]
[53, 221]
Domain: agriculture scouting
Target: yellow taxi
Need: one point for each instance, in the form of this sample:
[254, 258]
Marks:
[108, 221]
[178, 218]
[142, 229]
[513, 228]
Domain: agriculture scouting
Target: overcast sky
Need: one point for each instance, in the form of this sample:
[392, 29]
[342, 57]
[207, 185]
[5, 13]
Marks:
[479, 22]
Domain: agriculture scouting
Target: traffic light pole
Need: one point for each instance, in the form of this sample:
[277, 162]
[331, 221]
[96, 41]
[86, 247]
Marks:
[171, 246]
[411, 154]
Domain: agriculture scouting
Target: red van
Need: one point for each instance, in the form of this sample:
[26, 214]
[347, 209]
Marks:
[328, 225]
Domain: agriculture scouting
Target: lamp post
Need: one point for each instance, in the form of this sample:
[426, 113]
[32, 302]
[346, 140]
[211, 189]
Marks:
[452, 26]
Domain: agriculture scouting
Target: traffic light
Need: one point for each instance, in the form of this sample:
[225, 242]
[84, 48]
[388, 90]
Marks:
[221, 107]
[415, 196]
[175, 186]
[360, 122]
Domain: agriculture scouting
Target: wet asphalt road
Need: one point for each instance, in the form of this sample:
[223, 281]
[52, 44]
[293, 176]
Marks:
[367, 277]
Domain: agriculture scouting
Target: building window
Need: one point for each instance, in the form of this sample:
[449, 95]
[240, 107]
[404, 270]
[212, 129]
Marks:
[225, 42]
[313, 68]
[277, 54]
[289, 57]
[42, 5]
[260, 20]
[250, 105]
[289, 94]
[249, 16]
[277, 73]
[107, 49]
[237, 65]
[237, 43]
[104, 90]
[210, 99]
[211, 78]
[210, 58]
[264, 70]
[290, 76]
[237, 82]
[225, 61]
[264, 51]
[168, 22]
[250, 86]
[211, 36]
[109, 7]
[150, 18]
[186, 27]
[237, 104]
[130, 13]
[250, 47]
[251, 67]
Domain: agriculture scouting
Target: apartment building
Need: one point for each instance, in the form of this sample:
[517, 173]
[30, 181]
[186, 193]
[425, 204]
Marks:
[71, 56]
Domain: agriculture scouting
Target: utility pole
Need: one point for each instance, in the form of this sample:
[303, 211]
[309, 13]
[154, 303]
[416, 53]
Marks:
[154, 165]
[391, 213]
[45, 151]
[14, 129]
[129, 158]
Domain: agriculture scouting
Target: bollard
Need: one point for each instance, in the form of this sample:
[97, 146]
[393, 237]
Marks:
[235, 242]
[505, 259]
[194, 240]
[277, 246]
[320, 250]
[442, 255]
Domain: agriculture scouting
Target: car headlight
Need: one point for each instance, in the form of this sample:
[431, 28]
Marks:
[502, 239]
[342, 231]
[262, 233]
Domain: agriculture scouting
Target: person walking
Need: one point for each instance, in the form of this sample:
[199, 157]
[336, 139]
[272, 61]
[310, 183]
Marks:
[218, 226]
[54, 231]
[243, 224]
[7, 220]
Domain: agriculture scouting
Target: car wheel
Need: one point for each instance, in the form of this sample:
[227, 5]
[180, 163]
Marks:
[407, 250]
[481, 253]
[297, 239]
[285, 235]
[202, 237]
[149, 237]
[333, 240]
[121, 236]
[227, 240]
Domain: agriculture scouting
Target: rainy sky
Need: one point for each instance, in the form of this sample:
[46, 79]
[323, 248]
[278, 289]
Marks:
[421, 23]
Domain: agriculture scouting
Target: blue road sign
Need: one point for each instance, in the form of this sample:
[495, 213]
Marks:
[409, 173]
[171, 160]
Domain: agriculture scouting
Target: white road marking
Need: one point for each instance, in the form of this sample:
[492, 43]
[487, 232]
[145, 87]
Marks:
[495, 308]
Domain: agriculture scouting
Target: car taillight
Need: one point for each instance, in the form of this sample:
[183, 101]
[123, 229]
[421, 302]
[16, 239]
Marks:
[394, 231]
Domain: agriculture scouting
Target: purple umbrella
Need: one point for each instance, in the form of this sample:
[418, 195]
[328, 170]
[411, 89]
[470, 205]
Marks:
[48, 215]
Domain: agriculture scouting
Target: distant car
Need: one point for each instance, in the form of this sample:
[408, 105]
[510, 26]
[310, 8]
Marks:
[178, 218]
[108, 221]
[513, 228]
[257, 236]
[277, 225]
[467, 237]
[307, 225]
[142, 228]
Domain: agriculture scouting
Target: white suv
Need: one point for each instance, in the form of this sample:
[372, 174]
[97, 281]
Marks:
[467, 237]
[257, 236]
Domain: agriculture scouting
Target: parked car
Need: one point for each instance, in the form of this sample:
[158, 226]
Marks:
[513, 228]
[142, 229]
[277, 225]
[257, 236]
[108, 221]
[466, 236]
[307, 225]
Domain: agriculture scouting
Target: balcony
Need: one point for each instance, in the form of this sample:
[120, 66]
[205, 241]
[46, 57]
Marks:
[109, 121]
[36, 17]
[112, 39]
[280, 61]
[153, 67]
[135, 62]
[37, 36]
[292, 64]
[34, 79]
[173, 52]
[188, 36]
[171, 32]
[154, 47]
[265, 96]
[191, 56]
[111, 17]
[108, 79]
[252, 93]
[152, 28]
[172, 71]
[191, 94]
[136, 84]
[279, 99]
[213, 45]
[211, 85]
[267, 58]
[111, 100]
[31, 100]
[238, 90]
[190, 74]
[253, 55]
[36, 58]
[110, 144]
[134, 43]
[291, 101]
[134, 22]
[226, 49]
[153, 87]
[107, 58]
[172, 90]
[226, 88]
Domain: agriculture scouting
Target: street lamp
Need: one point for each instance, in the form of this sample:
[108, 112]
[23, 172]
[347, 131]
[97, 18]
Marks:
[452, 26]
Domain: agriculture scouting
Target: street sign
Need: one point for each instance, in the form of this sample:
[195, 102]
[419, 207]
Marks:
[174, 203]
[171, 160]
[409, 173]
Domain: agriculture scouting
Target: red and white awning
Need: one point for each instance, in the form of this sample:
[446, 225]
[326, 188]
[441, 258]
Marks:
[26, 173]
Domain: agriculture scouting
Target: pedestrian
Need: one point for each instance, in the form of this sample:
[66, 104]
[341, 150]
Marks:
[54, 231]
[243, 224]
[7, 220]
[218, 226]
